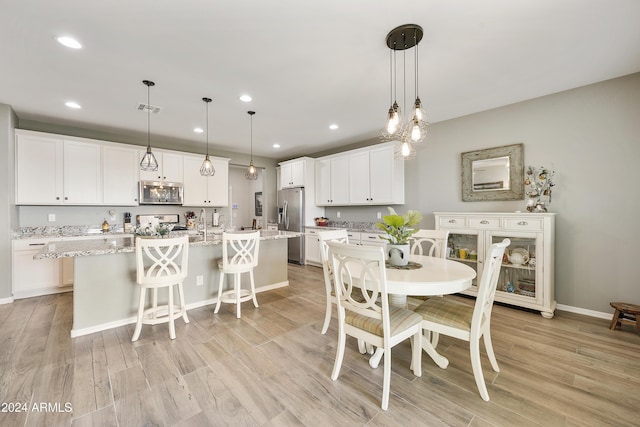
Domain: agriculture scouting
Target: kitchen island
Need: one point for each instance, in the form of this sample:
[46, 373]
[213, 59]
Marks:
[105, 292]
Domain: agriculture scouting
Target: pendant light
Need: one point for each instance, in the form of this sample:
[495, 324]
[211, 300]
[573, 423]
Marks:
[252, 172]
[148, 162]
[207, 167]
[414, 129]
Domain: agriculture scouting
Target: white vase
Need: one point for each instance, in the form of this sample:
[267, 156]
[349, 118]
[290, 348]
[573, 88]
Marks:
[398, 254]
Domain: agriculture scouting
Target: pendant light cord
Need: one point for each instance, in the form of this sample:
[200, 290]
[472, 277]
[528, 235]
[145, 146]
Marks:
[415, 41]
[207, 102]
[148, 115]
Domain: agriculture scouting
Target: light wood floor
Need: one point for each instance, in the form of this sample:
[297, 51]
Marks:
[272, 368]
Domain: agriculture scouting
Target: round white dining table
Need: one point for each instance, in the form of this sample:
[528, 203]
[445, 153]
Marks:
[436, 276]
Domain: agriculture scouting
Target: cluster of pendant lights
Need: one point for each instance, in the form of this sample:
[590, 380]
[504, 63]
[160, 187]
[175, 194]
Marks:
[412, 129]
[149, 162]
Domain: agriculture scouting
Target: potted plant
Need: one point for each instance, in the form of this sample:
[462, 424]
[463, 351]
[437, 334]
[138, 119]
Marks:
[399, 230]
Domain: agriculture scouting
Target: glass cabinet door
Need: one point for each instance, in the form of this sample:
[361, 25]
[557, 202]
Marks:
[518, 275]
[466, 248]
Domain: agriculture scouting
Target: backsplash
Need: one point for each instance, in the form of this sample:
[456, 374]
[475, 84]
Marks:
[355, 225]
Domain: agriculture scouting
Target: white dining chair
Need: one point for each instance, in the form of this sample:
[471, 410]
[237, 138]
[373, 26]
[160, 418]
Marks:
[324, 237]
[436, 239]
[434, 243]
[360, 283]
[239, 255]
[469, 323]
[161, 263]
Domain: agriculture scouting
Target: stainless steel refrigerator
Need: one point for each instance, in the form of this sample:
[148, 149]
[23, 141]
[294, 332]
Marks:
[291, 218]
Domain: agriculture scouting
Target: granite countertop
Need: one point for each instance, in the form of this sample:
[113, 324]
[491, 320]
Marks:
[113, 244]
[365, 227]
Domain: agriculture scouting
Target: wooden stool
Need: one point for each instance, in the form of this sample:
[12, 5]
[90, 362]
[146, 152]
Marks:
[625, 313]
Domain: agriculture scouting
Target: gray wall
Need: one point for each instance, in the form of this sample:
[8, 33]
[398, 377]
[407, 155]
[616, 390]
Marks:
[591, 136]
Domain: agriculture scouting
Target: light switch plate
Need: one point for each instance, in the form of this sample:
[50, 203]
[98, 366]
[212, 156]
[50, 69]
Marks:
[52, 217]
[379, 215]
[338, 214]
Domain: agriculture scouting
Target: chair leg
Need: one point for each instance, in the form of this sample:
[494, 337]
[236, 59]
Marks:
[220, 284]
[183, 307]
[237, 286]
[253, 289]
[386, 379]
[136, 332]
[327, 316]
[171, 313]
[342, 337]
[154, 304]
[476, 366]
[488, 345]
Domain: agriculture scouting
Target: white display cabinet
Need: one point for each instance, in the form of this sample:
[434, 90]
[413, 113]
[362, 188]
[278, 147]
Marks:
[527, 273]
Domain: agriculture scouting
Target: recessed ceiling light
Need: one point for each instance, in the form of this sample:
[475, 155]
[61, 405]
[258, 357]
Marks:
[246, 98]
[198, 130]
[73, 104]
[333, 126]
[276, 145]
[69, 42]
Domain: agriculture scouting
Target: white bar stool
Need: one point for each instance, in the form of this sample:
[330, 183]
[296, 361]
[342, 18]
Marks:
[239, 255]
[161, 263]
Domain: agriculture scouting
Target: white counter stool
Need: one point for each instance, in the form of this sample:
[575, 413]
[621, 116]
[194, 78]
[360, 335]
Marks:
[161, 263]
[239, 255]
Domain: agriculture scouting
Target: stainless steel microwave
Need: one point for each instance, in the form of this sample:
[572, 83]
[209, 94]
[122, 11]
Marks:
[160, 193]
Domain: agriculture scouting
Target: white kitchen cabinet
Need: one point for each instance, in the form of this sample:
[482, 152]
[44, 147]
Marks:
[376, 176]
[35, 277]
[82, 173]
[205, 190]
[332, 176]
[120, 175]
[528, 284]
[39, 172]
[53, 171]
[296, 173]
[312, 255]
[170, 167]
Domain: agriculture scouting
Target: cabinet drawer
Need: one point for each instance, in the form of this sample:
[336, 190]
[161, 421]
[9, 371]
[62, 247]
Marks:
[371, 239]
[492, 223]
[529, 224]
[354, 237]
[447, 222]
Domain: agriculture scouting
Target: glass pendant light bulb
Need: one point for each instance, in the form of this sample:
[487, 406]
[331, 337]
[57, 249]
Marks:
[391, 122]
[148, 162]
[406, 149]
[207, 168]
[415, 130]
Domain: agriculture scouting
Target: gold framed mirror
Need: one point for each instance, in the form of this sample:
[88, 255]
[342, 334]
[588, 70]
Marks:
[493, 174]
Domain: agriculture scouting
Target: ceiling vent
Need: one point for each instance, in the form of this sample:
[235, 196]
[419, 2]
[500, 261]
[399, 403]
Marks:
[146, 107]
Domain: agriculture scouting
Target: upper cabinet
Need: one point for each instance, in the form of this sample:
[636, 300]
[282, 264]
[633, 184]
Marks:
[205, 190]
[38, 170]
[376, 177]
[365, 176]
[82, 177]
[332, 175]
[296, 173]
[170, 167]
[120, 175]
[55, 171]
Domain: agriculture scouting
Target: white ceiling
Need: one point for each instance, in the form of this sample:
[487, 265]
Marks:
[306, 64]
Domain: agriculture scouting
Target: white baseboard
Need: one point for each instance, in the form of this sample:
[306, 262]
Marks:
[586, 312]
[122, 322]
[8, 300]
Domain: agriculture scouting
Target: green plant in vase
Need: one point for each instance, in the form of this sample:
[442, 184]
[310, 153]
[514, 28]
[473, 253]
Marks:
[399, 229]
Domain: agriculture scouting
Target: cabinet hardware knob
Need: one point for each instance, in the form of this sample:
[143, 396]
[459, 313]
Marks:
[66, 198]
[484, 221]
[451, 221]
[523, 223]
[135, 200]
[57, 198]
